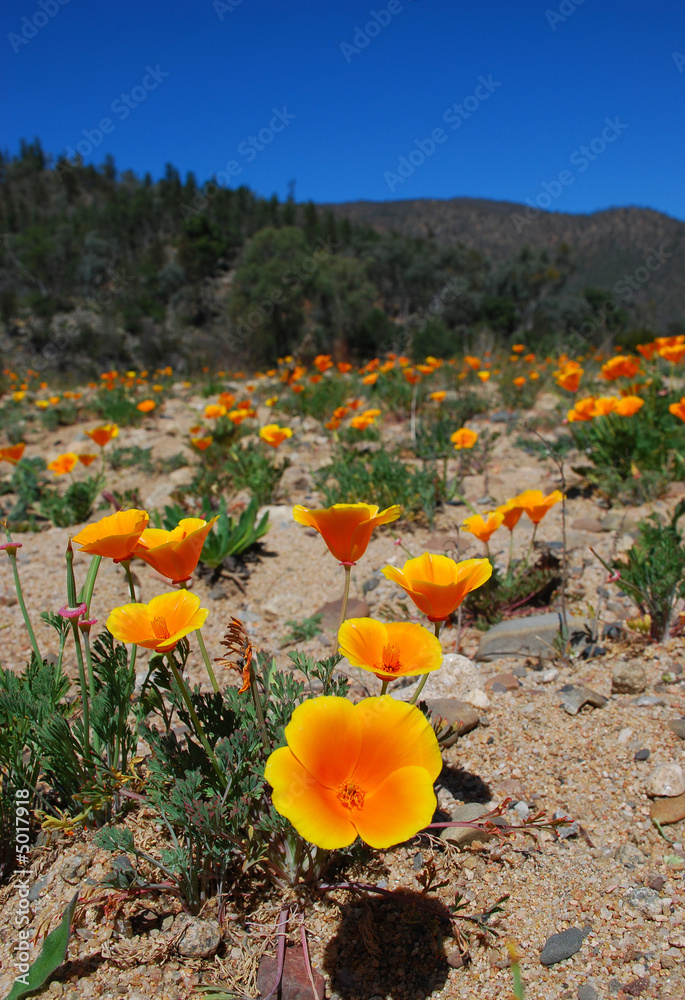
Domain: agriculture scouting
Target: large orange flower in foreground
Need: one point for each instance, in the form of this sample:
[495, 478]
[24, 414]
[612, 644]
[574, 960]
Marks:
[362, 770]
[114, 537]
[536, 504]
[160, 624]
[672, 352]
[174, 554]
[12, 453]
[104, 434]
[346, 527]
[437, 584]
[389, 651]
[678, 409]
[483, 526]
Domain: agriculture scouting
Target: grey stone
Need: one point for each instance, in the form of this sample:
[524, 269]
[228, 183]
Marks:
[462, 717]
[574, 696]
[200, 938]
[647, 901]
[463, 835]
[587, 992]
[458, 677]
[642, 754]
[666, 779]
[533, 636]
[37, 888]
[217, 593]
[562, 945]
[588, 524]
[677, 726]
[630, 856]
[648, 701]
[628, 677]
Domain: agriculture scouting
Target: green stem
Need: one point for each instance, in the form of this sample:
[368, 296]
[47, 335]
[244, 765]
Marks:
[511, 552]
[205, 657]
[126, 563]
[384, 686]
[343, 606]
[86, 593]
[91, 680]
[185, 694]
[85, 704]
[422, 682]
[259, 710]
[20, 597]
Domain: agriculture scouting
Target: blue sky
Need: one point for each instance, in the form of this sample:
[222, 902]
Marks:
[360, 94]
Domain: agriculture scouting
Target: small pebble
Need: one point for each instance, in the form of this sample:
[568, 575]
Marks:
[642, 754]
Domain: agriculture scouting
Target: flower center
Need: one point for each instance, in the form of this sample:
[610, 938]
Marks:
[390, 658]
[351, 794]
[160, 628]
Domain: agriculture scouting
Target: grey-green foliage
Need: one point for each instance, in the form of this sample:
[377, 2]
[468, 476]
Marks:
[653, 570]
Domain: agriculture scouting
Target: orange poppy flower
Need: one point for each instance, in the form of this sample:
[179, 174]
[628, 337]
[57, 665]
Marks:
[160, 624]
[622, 366]
[604, 405]
[226, 399]
[344, 367]
[536, 505]
[518, 348]
[63, 463]
[175, 554]
[646, 350]
[437, 584]
[104, 434]
[87, 459]
[202, 443]
[298, 388]
[360, 423]
[12, 453]
[332, 425]
[213, 411]
[534, 376]
[678, 409]
[362, 770]
[271, 401]
[113, 537]
[275, 435]
[583, 410]
[472, 362]
[511, 513]
[18, 396]
[340, 411]
[411, 376]
[438, 396]
[346, 527]
[661, 342]
[483, 376]
[463, 438]
[370, 379]
[569, 377]
[483, 526]
[519, 381]
[673, 353]
[389, 651]
[315, 379]
[146, 405]
[628, 405]
[530, 358]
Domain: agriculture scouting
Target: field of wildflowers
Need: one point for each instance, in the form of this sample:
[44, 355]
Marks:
[272, 782]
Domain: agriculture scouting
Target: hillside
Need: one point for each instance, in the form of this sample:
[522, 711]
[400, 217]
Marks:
[607, 245]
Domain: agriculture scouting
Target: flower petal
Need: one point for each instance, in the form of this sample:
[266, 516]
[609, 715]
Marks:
[401, 806]
[325, 734]
[394, 735]
[316, 812]
[362, 641]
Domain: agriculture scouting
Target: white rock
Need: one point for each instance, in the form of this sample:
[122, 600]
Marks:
[458, 677]
[666, 779]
